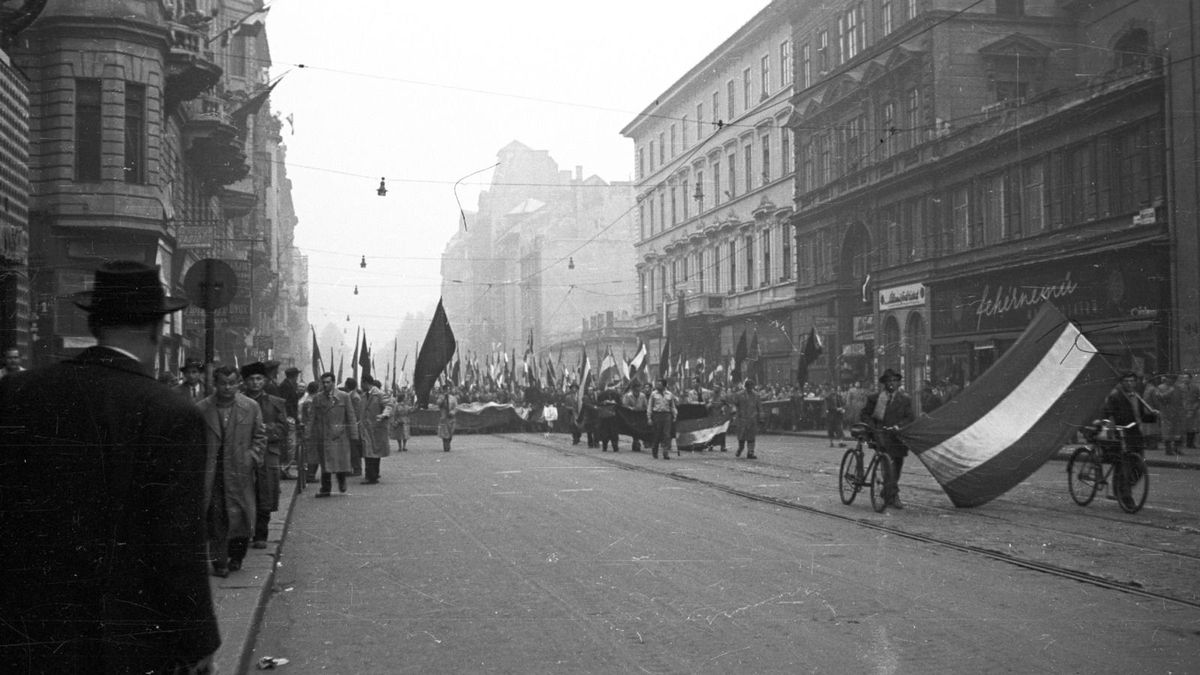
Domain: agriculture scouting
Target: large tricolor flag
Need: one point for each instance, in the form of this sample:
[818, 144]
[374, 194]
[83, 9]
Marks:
[1012, 419]
[638, 360]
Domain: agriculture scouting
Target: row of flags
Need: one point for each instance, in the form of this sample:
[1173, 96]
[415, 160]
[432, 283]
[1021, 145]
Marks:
[437, 361]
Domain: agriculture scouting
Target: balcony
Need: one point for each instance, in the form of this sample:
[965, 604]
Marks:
[213, 145]
[238, 198]
[191, 67]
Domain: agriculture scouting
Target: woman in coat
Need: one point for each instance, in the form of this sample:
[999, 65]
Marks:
[373, 427]
[332, 428]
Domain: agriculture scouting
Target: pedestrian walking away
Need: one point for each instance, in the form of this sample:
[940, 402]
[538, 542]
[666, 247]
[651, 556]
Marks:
[236, 441]
[373, 428]
[102, 494]
[268, 473]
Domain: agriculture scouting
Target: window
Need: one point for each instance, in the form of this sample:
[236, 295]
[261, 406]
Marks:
[662, 148]
[237, 55]
[650, 207]
[674, 210]
[855, 128]
[733, 266]
[715, 256]
[785, 63]
[766, 260]
[823, 51]
[732, 175]
[1007, 90]
[651, 156]
[1033, 196]
[786, 251]
[641, 162]
[964, 231]
[684, 197]
[1133, 49]
[642, 220]
[700, 192]
[805, 66]
[87, 130]
[748, 165]
[993, 198]
[809, 174]
[699, 121]
[912, 118]
[747, 90]
[716, 170]
[641, 292]
[653, 300]
[662, 210]
[910, 9]
[749, 245]
[766, 158]
[730, 93]
[841, 36]
[683, 133]
[700, 264]
[885, 17]
[1081, 196]
[716, 108]
[785, 151]
[825, 169]
[673, 142]
[135, 133]
[764, 76]
[887, 127]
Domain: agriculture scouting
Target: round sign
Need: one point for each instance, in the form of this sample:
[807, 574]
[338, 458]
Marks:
[210, 284]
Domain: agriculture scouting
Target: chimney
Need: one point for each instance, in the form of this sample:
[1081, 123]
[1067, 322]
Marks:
[578, 173]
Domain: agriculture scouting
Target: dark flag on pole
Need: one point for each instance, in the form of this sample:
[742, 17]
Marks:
[354, 357]
[316, 357]
[664, 359]
[808, 355]
[364, 359]
[739, 360]
[436, 350]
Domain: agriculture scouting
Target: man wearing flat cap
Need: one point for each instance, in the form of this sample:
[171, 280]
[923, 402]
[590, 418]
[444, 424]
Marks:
[192, 388]
[886, 411]
[266, 478]
[106, 492]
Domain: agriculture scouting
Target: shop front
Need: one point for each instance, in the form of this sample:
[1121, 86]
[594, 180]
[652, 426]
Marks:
[1117, 298]
[903, 333]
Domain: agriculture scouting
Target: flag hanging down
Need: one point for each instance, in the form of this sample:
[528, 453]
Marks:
[808, 355]
[1011, 420]
[316, 357]
[638, 360]
[435, 354]
[364, 360]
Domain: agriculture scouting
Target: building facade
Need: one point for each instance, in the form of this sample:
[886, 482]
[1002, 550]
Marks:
[545, 250]
[15, 325]
[714, 164]
[958, 163]
[152, 141]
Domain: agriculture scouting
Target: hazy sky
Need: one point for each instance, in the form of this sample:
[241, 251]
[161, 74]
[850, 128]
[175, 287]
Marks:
[425, 93]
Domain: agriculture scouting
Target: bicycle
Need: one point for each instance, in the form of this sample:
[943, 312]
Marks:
[852, 476]
[1107, 460]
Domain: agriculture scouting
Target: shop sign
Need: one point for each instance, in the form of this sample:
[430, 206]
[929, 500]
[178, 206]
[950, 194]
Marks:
[864, 327]
[897, 297]
[1146, 216]
[194, 237]
[854, 349]
[1116, 286]
[14, 244]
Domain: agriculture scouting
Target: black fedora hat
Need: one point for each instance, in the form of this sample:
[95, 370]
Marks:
[128, 288]
[890, 374]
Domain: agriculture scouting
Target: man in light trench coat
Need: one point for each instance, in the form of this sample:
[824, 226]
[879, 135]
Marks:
[334, 424]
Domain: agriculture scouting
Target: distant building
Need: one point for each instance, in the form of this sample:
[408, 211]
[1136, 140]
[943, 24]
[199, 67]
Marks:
[544, 250]
[15, 315]
[714, 166]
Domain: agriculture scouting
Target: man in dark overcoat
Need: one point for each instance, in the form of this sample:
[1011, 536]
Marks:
[886, 411]
[267, 474]
[102, 492]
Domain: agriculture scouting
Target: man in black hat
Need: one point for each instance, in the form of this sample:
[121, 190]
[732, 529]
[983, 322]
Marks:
[192, 388]
[266, 475]
[106, 492]
[886, 411]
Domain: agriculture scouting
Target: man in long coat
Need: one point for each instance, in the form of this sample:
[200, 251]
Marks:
[237, 441]
[333, 425]
[101, 496]
[266, 478]
[748, 406]
[373, 427]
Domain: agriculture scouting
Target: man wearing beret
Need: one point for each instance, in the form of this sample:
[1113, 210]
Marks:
[104, 496]
[266, 476]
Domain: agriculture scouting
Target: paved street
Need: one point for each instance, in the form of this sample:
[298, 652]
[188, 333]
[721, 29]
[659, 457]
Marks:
[525, 554]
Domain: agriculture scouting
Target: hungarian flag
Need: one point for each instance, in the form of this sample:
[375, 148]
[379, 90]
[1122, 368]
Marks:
[608, 369]
[585, 374]
[638, 360]
[435, 354]
[808, 355]
[1015, 416]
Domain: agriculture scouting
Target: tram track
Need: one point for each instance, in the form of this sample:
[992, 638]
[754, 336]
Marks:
[1049, 569]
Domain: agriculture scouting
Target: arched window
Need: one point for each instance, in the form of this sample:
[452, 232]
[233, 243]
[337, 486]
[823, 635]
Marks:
[1133, 49]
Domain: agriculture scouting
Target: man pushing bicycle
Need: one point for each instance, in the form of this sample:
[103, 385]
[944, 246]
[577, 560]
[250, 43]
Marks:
[885, 412]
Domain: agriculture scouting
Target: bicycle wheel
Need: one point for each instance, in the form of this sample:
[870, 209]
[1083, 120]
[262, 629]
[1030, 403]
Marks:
[881, 473]
[1131, 482]
[850, 476]
[1084, 475]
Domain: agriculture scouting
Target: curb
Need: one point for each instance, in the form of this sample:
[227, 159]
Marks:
[245, 650]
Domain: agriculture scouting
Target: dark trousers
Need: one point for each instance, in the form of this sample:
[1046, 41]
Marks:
[356, 457]
[371, 468]
[660, 422]
[327, 482]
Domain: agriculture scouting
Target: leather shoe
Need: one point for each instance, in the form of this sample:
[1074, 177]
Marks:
[235, 565]
[220, 571]
[369, 481]
[258, 543]
[896, 504]
[321, 494]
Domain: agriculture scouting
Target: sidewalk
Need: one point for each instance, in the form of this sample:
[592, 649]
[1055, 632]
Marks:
[1154, 458]
[240, 598]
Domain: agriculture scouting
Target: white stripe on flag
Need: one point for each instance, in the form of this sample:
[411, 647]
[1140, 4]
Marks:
[1012, 418]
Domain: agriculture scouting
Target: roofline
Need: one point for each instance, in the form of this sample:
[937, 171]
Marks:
[773, 8]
